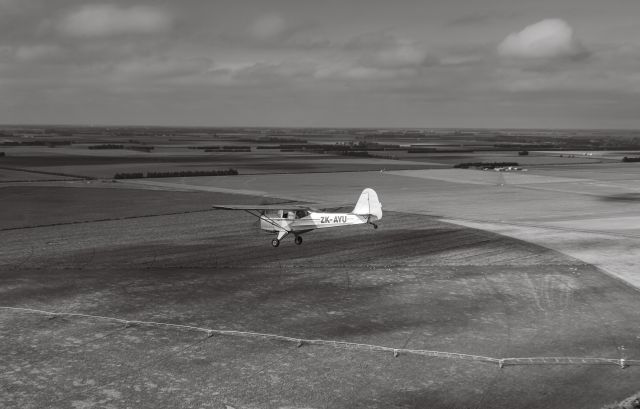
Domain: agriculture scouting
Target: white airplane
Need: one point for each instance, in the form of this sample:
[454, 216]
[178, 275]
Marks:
[284, 219]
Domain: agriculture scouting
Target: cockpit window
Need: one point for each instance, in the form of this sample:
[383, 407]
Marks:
[301, 213]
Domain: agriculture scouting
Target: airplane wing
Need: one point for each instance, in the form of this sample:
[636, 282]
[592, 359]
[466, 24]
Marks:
[282, 206]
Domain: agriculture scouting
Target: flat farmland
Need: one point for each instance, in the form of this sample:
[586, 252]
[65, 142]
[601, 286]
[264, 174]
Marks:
[106, 163]
[416, 283]
[578, 206]
[11, 176]
[610, 172]
[534, 158]
[80, 202]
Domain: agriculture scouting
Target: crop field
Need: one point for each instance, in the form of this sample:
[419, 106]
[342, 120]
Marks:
[534, 158]
[10, 176]
[415, 283]
[527, 205]
[491, 265]
[106, 163]
[27, 206]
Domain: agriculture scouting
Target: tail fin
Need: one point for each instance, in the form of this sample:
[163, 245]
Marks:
[368, 205]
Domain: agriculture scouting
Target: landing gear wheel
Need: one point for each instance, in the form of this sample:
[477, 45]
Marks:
[375, 226]
[298, 240]
[275, 242]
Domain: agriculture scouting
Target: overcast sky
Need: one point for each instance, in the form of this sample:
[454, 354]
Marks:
[342, 63]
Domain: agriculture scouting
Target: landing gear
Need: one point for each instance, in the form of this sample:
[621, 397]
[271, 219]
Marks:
[375, 226]
[298, 240]
[281, 235]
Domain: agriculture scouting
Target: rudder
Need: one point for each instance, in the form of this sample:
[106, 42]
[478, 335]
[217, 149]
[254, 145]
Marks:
[368, 205]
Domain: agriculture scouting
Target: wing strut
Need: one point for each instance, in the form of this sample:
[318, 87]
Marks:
[267, 219]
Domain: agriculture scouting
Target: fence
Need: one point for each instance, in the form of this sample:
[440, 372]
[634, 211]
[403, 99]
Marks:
[501, 362]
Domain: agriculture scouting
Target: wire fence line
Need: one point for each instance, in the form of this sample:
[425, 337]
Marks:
[210, 332]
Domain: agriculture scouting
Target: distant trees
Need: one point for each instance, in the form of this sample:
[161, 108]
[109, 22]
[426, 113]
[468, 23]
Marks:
[273, 139]
[224, 148]
[421, 150]
[178, 174]
[630, 159]
[141, 148]
[139, 175]
[106, 146]
[523, 153]
[489, 165]
[191, 173]
[52, 144]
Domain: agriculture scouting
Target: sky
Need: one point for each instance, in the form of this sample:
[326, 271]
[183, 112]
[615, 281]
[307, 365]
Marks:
[329, 63]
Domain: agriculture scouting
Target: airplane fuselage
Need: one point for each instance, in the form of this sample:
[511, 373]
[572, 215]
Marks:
[311, 221]
[299, 219]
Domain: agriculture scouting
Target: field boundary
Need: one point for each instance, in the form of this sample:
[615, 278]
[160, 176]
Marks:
[452, 220]
[210, 332]
[108, 219]
[42, 172]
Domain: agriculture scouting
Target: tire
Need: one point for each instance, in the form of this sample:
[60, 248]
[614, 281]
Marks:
[275, 242]
[298, 240]
[375, 226]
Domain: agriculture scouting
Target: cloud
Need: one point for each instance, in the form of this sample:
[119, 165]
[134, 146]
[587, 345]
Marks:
[263, 73]
[274, 31]
[387, 51]
[587, 80]
[269, 26]
[470, 19]
[164, 68]
[547, 39]
[103, 20]
[12, 6]
[400, 54]
[359, 72]
[6, 4]
[38, 52]
[377, 56]
[541, 60]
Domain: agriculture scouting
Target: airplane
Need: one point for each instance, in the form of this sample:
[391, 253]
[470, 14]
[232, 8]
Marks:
[284, 219]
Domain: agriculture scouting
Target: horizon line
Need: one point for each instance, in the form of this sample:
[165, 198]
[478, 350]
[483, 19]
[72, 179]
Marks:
[318, 127]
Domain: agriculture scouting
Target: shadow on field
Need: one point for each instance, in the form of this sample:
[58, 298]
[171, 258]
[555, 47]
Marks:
[310, 303]
[338, 284]
[622, 197]
[349, 248]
